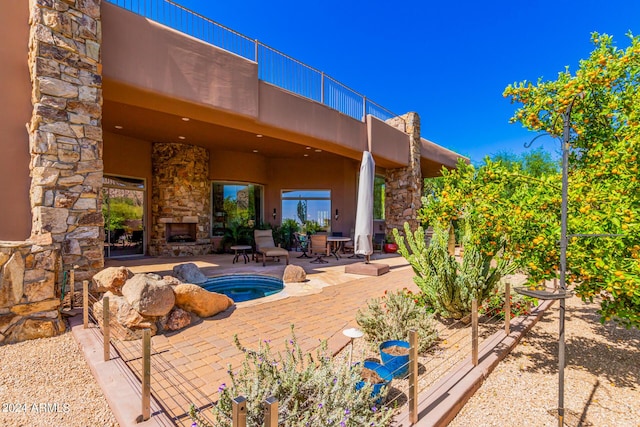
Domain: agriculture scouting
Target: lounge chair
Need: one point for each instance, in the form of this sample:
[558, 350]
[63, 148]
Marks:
[266, 247]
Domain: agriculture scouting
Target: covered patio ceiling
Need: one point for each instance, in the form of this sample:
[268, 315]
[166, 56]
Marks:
[157, 126]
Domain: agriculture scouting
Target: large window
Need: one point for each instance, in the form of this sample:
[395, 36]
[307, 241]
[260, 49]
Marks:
[378, 197]
[237, 203]
[307, 206]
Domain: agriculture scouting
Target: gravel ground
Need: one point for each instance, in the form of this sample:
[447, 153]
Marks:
[46, 382]
[602, 376]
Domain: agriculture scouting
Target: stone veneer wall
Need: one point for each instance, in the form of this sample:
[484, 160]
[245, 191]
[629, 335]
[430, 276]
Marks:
[403, 186]
[181, 193]
[29, 297]
[65, 143]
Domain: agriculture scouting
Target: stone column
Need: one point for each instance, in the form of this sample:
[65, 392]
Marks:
[180, 195]
[65, 131]
[403, 186]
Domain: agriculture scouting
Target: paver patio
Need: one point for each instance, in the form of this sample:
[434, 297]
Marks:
[198, 356]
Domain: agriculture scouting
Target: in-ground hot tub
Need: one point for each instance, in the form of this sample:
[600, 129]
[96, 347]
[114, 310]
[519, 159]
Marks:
[244, 287]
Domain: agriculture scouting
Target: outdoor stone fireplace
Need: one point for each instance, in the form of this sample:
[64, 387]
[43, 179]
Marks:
[181, 200]
[181, 232]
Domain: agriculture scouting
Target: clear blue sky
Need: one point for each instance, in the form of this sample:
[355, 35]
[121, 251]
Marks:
[447, 60]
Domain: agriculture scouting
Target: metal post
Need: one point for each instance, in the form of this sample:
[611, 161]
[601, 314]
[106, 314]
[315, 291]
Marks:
[474, 332]
[106, 329]
[85, 303]
[72, 287]
[256, 49]
[563, 257]
[364, 108]
[322, 87]
[239, 412]
[413, 377]
[146, 374]
[270, 412]
[507, 308]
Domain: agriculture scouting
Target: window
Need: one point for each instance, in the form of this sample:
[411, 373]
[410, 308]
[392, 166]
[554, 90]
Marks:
[378, 197]
[235, 202]
[307, 206]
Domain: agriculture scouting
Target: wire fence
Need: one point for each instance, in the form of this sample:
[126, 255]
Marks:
[175, 392]
[274, 67]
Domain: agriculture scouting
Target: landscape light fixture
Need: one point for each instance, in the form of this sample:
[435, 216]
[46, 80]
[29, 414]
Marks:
[352, 333]
[275, 213]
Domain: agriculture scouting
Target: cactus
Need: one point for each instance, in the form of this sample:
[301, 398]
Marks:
[448, 284]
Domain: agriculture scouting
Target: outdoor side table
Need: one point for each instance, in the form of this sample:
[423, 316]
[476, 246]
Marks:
[240, 250]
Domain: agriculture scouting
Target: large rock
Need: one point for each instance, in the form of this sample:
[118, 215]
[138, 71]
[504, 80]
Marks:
[189, 273]
[121, 313]
[170, 280]
[175, 320]
[149, 296]
[111, 279]
[294, 274]
[199, 301]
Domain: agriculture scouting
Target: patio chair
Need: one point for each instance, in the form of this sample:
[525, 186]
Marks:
[302, 241]
[378, 241]
[266, 247]
[319, 248]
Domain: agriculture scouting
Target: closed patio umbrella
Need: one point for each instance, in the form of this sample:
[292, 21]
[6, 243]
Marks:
[363, 235]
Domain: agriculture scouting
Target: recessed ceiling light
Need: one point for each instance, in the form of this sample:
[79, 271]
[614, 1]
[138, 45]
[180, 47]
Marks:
[255, 151]
[318, 151]
[306, 155]
[258, 136]
[118, 127]
[181, 137]
[186, 119]
[308, 148]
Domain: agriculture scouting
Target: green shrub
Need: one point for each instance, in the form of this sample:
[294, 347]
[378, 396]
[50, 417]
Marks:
[392, 316]
[310, 391]
[494, 305]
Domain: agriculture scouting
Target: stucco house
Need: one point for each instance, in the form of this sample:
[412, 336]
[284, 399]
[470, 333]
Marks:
[155, 109]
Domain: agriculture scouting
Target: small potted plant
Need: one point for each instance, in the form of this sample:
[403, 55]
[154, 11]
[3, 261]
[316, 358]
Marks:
[389, 247]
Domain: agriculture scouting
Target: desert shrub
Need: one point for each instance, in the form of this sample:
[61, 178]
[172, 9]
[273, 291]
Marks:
[312, 391]
[392, 316]
[493, 306]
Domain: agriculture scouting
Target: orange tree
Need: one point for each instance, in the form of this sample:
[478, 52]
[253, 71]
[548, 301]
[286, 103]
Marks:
[604, 192]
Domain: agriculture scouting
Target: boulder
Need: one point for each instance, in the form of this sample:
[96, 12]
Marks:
[176, 319]
[111, 279]
[294, 274]
[170, 280]
[189, 273]
[149, 296]
[121, 313]
[199, 301]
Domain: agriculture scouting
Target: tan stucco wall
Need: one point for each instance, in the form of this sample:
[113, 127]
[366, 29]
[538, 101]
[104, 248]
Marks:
[15, 111]
[281, 109]
[129, 157]
[338, 176]
[389, 146]
[235, 166]
[147, 55]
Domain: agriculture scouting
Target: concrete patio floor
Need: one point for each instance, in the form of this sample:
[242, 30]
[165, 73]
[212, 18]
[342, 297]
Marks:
[188, 366]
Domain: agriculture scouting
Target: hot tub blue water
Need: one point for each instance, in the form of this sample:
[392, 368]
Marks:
[244, 287]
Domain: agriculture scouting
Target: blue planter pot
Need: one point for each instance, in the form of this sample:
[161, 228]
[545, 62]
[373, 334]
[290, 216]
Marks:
[398, 365]
[383, 372]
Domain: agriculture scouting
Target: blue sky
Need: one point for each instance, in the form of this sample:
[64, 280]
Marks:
[448, 60]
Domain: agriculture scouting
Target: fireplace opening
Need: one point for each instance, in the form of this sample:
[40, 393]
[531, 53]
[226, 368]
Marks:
[181, 232]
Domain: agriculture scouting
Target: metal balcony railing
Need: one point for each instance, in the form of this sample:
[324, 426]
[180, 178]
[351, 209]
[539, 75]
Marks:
[273, 66]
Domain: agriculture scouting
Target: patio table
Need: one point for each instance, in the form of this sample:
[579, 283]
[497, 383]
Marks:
[240, 249]
[337, 244]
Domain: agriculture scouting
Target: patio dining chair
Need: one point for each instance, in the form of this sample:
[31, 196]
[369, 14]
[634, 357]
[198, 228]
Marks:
[266, 247]
[319, 248]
